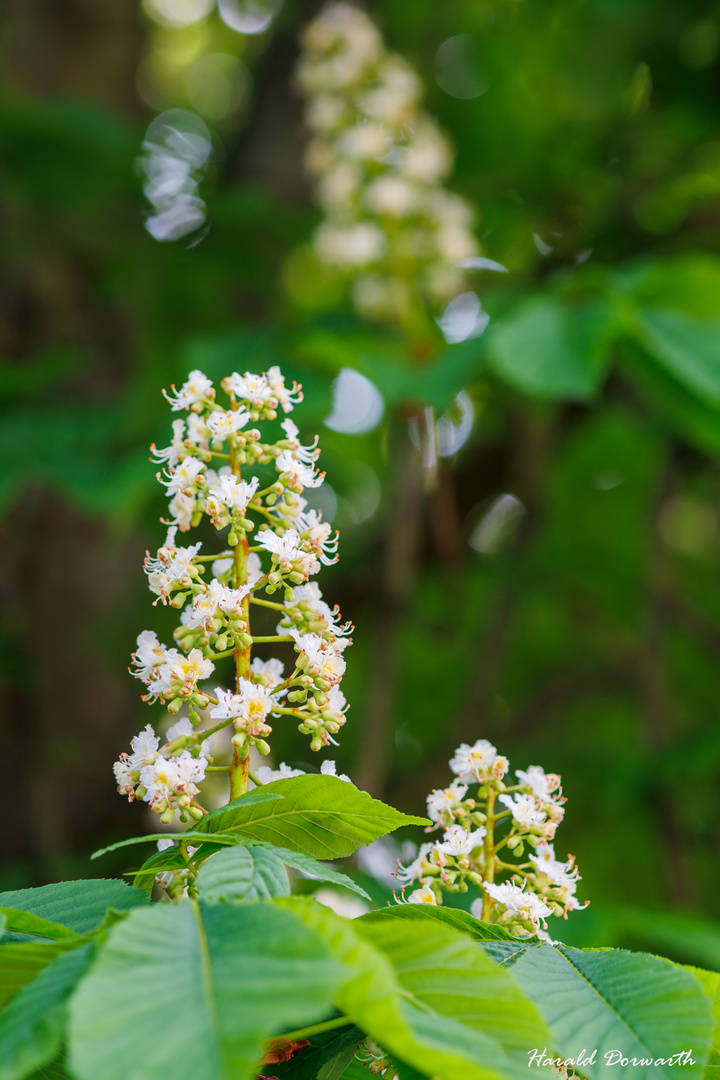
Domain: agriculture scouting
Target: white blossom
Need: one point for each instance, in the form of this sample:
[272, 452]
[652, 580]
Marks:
[319, 659]
[183, 728]
[249, 706]
[197, 430]
[379, 160]
[526, 905]
[543, 785]
[472, 763]
[172, 567]
[329, 768]
[524, 809]
[308, 607]
[167, 778]
[296, 473]
[230, 493]
[182, 673]
[216, 599]
[266, 775]
[443, 803]
[458, 842]
[306, 454]
[392, 196]
[197, 389]
[353, 246]
[319, 535]
[335, 705]
[177, 450]
[288, 552]
[182, 509]
[144, 748]
[222, 423]
[148, 655]
[286, 398]
[423, 895]
[413, 870]
[185, 478]
[267, 672]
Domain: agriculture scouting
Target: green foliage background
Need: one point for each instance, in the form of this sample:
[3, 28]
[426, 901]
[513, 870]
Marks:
[587, 642]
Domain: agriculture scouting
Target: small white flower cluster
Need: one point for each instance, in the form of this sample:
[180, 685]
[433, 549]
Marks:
[477, 829]
[291, 545]
[165, 779]
[380, 161]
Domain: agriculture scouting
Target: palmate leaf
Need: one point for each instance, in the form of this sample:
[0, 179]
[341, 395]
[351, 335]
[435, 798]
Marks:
[20, 964]
[191, 990]
[25, 923]
[32, 1026]
[242, 873]
[455, 917]
[320, 816]
[429, 996]
[710, 982]
[79, 905]
[438, 967]
[256, 872]
[152, 838]
[316, 869]
[612, 999]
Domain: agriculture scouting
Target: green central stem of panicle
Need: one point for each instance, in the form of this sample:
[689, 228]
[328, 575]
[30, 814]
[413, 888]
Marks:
[488, 902]
[240, 763]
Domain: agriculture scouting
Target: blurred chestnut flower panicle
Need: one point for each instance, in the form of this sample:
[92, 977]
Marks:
[390, 227]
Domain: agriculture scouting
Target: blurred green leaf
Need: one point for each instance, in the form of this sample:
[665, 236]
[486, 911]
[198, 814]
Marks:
[184, 970]
[552, 351]
[32, 1026]
[23, 922]
[687, 347]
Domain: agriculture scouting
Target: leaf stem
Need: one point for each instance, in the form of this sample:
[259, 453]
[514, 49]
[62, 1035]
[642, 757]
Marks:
[316, 1029]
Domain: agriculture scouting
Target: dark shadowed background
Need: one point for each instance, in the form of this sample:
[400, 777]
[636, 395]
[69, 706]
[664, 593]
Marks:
[556, 589]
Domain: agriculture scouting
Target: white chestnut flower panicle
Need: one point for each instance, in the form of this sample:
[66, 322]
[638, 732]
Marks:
[497, 838]
[268, 541]
[380, 161]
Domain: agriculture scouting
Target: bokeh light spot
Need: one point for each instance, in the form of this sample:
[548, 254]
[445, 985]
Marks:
[248, 16]
[176, 13]
[217, 85]
[453, 429]
[358, 405]
[463, 318]
[457, 72]
[176, 148]
[496, 525]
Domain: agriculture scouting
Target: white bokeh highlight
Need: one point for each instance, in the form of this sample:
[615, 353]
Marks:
[357, 404]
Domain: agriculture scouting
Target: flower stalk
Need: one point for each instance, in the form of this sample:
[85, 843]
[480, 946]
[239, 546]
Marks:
[214, 592]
